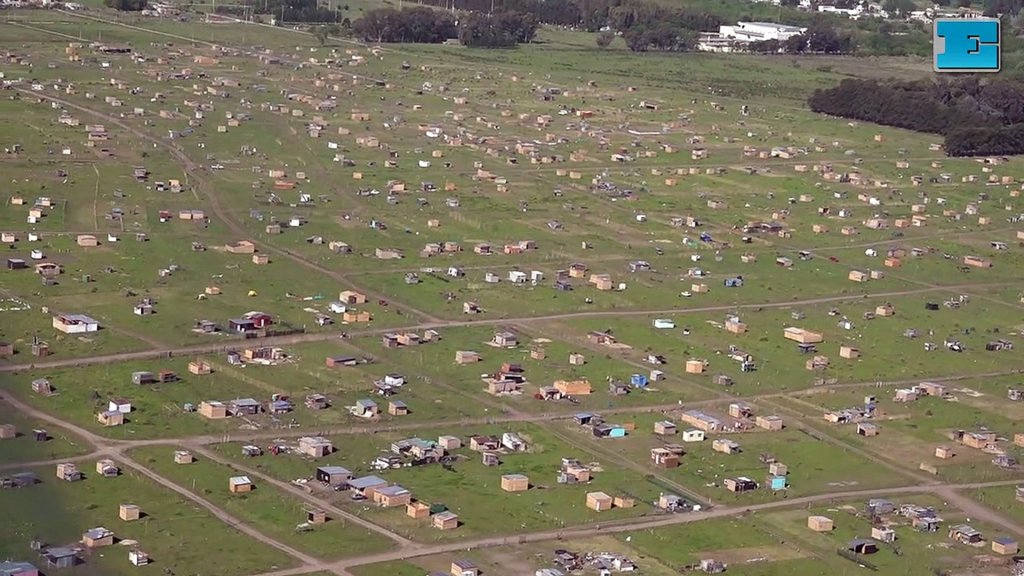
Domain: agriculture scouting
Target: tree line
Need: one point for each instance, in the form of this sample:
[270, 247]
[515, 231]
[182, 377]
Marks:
[419, 25]
[1008, 8]
[644, 24]
[430, 26]
[590, 15]
[500, 30]
[976, 117]
[126, 5]
[283, 10]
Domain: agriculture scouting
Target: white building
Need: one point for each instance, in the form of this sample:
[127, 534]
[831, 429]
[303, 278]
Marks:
[759, 31]
[75, 323]
[737, 38]
[854, 12]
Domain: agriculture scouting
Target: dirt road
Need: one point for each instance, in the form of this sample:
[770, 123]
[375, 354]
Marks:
[224, 345]
[976, 511]
[41, 463]
[357, 430]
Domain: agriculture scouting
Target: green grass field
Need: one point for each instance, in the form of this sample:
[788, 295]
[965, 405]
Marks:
[388, 569]
[177, 534]
[24, 447]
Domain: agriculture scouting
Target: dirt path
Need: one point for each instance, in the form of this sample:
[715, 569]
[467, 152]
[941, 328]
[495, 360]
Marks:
[41, 463]
[305, 496]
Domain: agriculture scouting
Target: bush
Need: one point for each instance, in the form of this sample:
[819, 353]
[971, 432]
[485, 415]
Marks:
[501, 30]
[420, 25]
[976, 117]
[283, 10]
[126, 5]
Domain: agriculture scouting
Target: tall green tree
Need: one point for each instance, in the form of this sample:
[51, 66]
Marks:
[899, 7]
[126, 5]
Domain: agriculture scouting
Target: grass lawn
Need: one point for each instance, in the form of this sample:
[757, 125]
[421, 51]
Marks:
[178, 535]
[24, 447]
[754, 547]
[527, 558]
[123, 273]
[690, 543]
[266, 508]
[387, 569]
